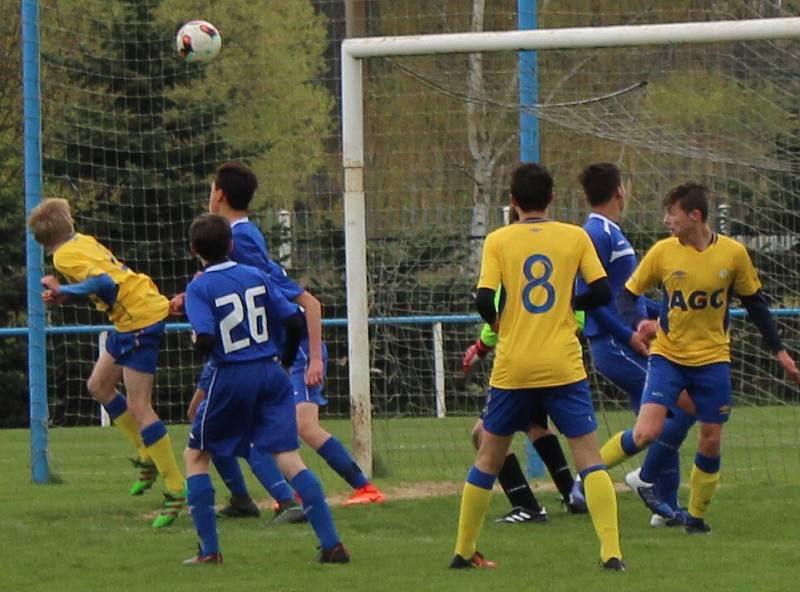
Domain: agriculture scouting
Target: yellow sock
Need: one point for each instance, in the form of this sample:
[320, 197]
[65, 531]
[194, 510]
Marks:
[127, 425]
[612, 452]
[602, 501]
[474, 506]
[162, 454]
[702, 486]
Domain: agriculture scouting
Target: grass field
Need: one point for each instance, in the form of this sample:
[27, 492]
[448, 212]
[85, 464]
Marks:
[87, 534]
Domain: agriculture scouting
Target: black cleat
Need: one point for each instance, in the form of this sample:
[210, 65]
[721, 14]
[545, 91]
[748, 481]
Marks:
[520, 515]
[240, 506]
[336, 554]
[613, 564]
[696, 526]
[289, 513]
[477, 560]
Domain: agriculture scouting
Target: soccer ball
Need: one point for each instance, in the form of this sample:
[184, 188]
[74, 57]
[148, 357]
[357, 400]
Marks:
[198, 41]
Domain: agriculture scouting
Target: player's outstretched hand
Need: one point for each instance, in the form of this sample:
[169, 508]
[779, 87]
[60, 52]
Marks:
[314, 373]
[50, 294]
[639, 344]
[176, 304]
[476, 351]
[789, 367]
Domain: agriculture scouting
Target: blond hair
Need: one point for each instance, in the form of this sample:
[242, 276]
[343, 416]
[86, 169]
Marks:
[51, 222]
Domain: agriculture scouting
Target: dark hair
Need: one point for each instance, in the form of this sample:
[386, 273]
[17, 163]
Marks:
[689, 196]
[600, 180]
[532, 187]
[211, 236]
[238, 183]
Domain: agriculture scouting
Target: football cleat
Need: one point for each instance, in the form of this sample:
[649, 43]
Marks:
[576, 503]
[200, 559]
[336, 554]
[520, 515]
[148, 473]
[171, 508]
[240, 506]
[369, 494]
[289, 513]
[649, 495]
[696, 526]
[613, 564]
[477, 560]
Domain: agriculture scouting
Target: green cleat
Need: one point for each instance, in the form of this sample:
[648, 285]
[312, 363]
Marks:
[171, 508]
[147, 476]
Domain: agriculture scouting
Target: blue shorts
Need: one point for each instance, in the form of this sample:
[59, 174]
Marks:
[136, 349]
[246, 403]
[302, 392]
[622, 366]
[569, 406]
[709, 387]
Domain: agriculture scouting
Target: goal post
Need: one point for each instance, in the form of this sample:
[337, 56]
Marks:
[354, 51]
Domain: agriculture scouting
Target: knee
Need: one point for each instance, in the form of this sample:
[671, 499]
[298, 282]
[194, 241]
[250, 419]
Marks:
[99, 390]
[644, 435]
[710, 444]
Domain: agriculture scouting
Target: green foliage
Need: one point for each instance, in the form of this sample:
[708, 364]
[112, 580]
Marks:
[268, 75]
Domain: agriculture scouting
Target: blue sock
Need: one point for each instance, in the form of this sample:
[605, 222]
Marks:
[628, 444]
[316, 508]
[231, 473]
[117, 406]
[201, 506]
[662, 462]
[340, 461]
[269, 475]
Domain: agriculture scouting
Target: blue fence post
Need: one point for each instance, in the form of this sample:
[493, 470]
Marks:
[37, 352]
[529, 141]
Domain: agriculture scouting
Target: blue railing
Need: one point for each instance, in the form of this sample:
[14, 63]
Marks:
[736, 313]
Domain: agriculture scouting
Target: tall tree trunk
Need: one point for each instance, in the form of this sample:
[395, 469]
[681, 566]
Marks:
[480, 145]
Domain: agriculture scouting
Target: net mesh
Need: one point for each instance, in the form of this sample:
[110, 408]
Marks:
[132, 136]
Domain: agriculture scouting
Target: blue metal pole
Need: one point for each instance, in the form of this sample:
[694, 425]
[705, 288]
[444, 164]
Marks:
[37, 353]
[528, 87]
[529, 142]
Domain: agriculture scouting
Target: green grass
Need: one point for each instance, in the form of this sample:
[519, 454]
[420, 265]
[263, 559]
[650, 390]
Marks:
[87, 534]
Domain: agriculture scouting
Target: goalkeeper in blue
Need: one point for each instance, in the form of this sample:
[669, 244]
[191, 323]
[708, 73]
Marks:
[619, 352]
[698, 272]
[240, 321]
[138, 310]
[231, 193]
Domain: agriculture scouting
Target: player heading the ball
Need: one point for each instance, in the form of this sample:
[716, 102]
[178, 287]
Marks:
[137, 310]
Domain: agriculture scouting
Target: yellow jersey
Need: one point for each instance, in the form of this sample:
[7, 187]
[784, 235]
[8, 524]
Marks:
[537, 261]
[138, 303]
[696, 290]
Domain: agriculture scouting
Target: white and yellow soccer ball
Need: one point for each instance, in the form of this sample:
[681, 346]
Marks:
[198, 41]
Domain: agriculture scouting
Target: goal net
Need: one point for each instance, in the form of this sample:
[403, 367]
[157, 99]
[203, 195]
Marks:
[132, 136]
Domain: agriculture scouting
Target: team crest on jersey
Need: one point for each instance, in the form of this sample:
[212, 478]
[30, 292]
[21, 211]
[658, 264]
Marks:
[678, 275]
[723, 273]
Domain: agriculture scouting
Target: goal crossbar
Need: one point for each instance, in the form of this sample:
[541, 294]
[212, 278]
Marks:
[353, 51]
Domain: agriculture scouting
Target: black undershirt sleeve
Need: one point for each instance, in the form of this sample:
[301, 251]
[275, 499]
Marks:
[758, 311]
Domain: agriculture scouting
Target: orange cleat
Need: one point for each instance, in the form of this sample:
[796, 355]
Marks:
[477, 560]
[369, 494]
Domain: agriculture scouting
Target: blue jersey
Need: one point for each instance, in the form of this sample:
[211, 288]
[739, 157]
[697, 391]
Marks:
[619, 260]
[250, 248]
[240, 306]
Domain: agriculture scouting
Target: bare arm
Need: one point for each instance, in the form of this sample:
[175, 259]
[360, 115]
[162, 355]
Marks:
[313, 313]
